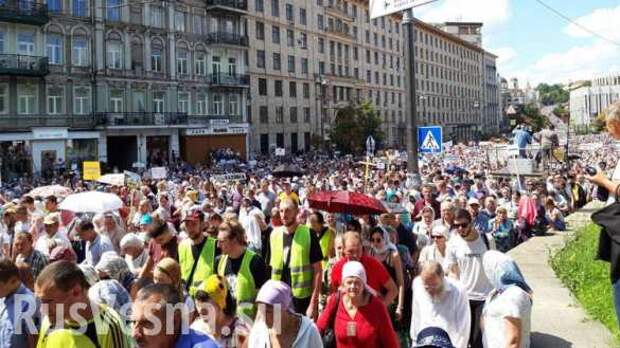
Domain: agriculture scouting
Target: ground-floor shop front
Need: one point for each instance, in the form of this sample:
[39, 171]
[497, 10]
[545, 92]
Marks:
[199, 145]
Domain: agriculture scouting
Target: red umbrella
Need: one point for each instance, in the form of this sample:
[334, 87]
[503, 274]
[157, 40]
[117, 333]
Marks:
[346, 202]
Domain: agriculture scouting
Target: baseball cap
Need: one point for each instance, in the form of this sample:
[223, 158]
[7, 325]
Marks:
[473, 201]
[51, 219]
[194, 213]
[433, 337]
[146, 219]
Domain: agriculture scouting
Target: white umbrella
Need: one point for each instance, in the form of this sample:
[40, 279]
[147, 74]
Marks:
[91, 202]
[112, 179]
[51, 190]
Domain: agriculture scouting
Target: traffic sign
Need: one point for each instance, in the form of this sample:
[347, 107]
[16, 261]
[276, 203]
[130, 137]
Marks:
[429, 139]
[380, 8]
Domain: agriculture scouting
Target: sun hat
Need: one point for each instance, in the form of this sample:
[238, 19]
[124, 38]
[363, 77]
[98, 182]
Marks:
[433, 337]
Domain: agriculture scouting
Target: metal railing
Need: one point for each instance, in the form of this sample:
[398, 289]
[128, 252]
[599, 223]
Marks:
[214, 119]
[110, 119]
[21, 11]
[225, 79]
[236, 4]
[17, 64]
[339, 11]
[27, 122]
[224, 37]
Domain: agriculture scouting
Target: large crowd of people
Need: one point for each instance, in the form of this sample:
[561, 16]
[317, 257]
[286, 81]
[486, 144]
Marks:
[202, 260]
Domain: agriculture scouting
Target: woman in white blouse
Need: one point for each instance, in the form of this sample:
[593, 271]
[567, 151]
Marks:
[437, 249]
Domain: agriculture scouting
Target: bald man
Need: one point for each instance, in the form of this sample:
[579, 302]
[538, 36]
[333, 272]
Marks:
[298, 264]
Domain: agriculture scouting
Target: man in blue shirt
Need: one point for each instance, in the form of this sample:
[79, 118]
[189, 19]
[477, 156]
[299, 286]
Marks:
[480, 221]
[522, 138]
[96, 244]
[19, 309]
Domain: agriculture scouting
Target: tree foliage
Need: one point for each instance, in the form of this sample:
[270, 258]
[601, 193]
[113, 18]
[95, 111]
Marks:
[533, 117]
[353, 124]
[552, 94]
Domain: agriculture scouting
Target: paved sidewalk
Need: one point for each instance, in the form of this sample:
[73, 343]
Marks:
[557, 320]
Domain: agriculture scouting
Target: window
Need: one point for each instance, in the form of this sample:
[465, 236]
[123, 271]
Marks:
[25, 43]
[320, 21]
[354, 11]
[321, 68]
[302, 16]
[306, 90]
[116, 100]
[232, 66]
[80, 55]
[156, 56]
[201, 64]
[183, 102]
[26, 99]
[4, 98]
[215, 66]
[259, 5]
[306, 115]
[80, 8]
[54, 48]
[304, 65]
[260, 31]
[158, 102]
[289, 13]
[114, 10]
[303, 38]
[291, 64]
[263, 114]
[275, 8]
[260, 59]
[201, 104]
[81, 100]
[233, 104]
[199, 24]
[367, 36]
[293, 114]
[115, 55]
[54, 100]
[1, 41]
[279, 114]
[292, 89]
[321, 45]
[262, 86]
[355, 53]
[290, 38]
[275, 34]
[182, 57]
[277, 62]
[179, 20]
[157, 16]
[53, 6]
[277, 87]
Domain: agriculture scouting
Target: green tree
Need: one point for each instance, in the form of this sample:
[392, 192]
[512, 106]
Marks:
[598, 124]
[353, 124]
[552, 94]
[533, 117]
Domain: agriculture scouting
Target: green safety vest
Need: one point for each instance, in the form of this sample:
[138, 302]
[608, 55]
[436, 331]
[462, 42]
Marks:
[326, 238]
[299, 264]
[204, 268]
[245, 288]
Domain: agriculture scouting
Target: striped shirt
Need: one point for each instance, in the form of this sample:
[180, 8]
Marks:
[36, 260]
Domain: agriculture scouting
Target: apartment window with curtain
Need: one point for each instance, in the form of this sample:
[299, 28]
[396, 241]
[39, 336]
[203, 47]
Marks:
[218, 104]
[157, 16]
[26, 99]
[260, 59]
[116, 100]
[290, 38]
[158, 102]
[114, 10]
[199, 24]
[115, 54]
[179, 21]
[80, 8]
[54, 48]
[260, 31]
[182, 58]
[275, 8]
[304, 65]
[201, 63]
[279, 114]
[156, 56]
[302, 16]
[275, 34]
[277, 61]
[80, 55]
[306, 90]
[289, 13]
[25, 43]
[233, 104]
[183, 102]
[81, 100]
[55, 99]
[291, 64]
[232, 66]
[201, 104]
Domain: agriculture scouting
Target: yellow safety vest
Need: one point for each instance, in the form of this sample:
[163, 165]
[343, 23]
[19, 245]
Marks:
[245, 288]
[299, 264]
[204, 268]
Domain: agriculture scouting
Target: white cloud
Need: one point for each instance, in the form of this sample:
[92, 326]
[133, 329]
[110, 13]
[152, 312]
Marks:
[490, 12]
[505, 55]
[603, 21]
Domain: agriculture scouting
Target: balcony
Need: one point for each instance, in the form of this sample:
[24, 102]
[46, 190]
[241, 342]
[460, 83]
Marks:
[26, 12]
[124, 119]
[27, 122]
[214, 119]
[227, 38]
[339, 32]
[234, 6]
[22, 65]
[227, 80]
[338, 12]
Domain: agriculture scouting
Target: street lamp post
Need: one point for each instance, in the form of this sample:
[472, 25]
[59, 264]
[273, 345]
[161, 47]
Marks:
[412, 148]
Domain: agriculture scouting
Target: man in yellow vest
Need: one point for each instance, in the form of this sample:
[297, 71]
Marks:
[295, 258]
[245, 271]
[196, 253]
[325, 235]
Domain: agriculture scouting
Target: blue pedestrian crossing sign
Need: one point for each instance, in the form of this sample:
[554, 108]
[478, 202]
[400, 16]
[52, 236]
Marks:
[430, 139]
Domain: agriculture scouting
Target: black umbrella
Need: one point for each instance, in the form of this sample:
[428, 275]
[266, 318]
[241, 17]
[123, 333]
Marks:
[287, 171]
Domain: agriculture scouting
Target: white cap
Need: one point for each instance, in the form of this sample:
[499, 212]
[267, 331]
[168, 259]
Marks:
[472, 201]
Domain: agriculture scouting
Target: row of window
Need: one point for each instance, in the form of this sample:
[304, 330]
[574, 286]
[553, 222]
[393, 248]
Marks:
[302, 41]
[278, 89]
[276, 62]
[28, 98]
[339, 50]
[293, 117]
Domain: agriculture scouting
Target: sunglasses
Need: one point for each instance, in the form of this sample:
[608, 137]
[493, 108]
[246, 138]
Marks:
[463, 225]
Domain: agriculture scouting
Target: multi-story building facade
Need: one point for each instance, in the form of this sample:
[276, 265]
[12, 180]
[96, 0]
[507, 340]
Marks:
[308, 58]
[122, 82]
[587, 102]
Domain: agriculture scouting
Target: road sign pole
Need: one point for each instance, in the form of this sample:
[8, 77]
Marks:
[412, 143]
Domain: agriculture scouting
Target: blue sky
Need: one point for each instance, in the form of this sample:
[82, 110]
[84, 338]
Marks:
[535, 45]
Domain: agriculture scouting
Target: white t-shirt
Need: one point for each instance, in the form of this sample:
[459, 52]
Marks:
[514, 303]
[43, 243]
[468, 257]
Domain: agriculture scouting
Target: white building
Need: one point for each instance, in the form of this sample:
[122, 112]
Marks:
[587, 102]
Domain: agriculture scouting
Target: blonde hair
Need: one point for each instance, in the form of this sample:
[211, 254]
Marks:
[613, 112]
[172, 269]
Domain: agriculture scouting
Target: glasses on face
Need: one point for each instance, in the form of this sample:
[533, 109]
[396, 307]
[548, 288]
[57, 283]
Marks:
[462, 225]
[437, 237]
